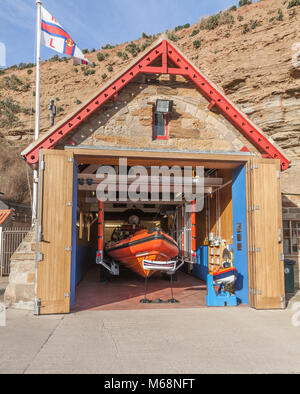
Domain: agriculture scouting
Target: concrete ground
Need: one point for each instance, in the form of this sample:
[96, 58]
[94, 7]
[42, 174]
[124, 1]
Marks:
[204, 340]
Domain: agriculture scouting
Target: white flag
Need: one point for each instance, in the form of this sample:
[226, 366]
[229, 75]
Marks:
[55, 37]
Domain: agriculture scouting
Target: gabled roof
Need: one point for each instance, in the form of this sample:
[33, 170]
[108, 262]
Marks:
[169, 54]
[4, 214]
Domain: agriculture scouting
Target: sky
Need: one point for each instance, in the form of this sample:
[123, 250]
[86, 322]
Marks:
[93, 23]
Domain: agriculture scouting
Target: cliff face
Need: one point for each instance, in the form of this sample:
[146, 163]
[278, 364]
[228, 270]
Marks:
[251, 53]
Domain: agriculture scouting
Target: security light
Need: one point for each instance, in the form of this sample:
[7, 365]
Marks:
[164, 106]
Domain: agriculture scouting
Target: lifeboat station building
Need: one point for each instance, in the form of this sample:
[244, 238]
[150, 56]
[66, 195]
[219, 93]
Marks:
[159, 112]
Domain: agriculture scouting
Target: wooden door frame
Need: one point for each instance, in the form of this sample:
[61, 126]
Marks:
[253, 253]
[88, 156]
[43, 306]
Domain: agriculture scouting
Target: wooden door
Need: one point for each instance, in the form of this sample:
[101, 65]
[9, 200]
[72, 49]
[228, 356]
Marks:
[55, 220]
[265, 253]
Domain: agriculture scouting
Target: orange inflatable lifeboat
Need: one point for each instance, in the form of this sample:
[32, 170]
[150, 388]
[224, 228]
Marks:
[151, 245]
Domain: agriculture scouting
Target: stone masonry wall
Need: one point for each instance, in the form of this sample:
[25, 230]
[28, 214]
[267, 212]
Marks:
[20, 291]
[191, 125]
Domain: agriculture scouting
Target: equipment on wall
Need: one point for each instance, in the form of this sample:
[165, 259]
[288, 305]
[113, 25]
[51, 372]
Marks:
[224, 277]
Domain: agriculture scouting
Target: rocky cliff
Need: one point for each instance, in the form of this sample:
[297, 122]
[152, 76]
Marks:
[250, 52]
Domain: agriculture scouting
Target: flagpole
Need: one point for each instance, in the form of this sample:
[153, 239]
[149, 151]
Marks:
[37, 106]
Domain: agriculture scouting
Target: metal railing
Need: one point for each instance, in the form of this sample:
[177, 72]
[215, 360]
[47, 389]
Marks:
[10, 239]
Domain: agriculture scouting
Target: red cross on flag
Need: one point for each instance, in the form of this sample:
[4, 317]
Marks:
[55, 37]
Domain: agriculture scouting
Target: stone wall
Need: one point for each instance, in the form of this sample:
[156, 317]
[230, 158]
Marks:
[20, 291]
[191, 125]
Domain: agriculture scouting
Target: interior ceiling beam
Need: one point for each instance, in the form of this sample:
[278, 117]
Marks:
[207, 181]
[165, 50]
[131, 204]
[94, 186]
[133, 161]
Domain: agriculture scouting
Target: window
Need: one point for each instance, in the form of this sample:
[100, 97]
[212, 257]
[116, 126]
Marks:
[160, 126]
[291, 237]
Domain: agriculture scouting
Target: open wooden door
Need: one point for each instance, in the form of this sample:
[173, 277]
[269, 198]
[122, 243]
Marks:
[53, 274]
[265, 253]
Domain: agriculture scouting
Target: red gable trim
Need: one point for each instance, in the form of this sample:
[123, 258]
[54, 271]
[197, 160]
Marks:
[143, 65]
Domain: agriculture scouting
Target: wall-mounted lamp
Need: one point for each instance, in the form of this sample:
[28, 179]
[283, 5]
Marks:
[164, 106]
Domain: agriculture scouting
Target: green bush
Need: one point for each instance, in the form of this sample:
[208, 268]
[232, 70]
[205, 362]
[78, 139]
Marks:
[240, 18]
[212, 22]
[244, 2]
[77, 102]
[226, 18]
[104, 76]
[89, 72]
[54, 58]
[173, 37]
[29, 71]
[209, 23]
[197, 44]
[133, 49]
[293, 3]
[280, 15]
[181, 27]
[22, 66]
[100, 57]
[255, 24]
[233, 8]
[14, 83]
[194, 32]
[246, 28]
[60, 109]
[85, 51]
[8, 112]
[119, 54]
[125, 56]
[110, 69]
[148, 42]
[145, 45]
[107, 46]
